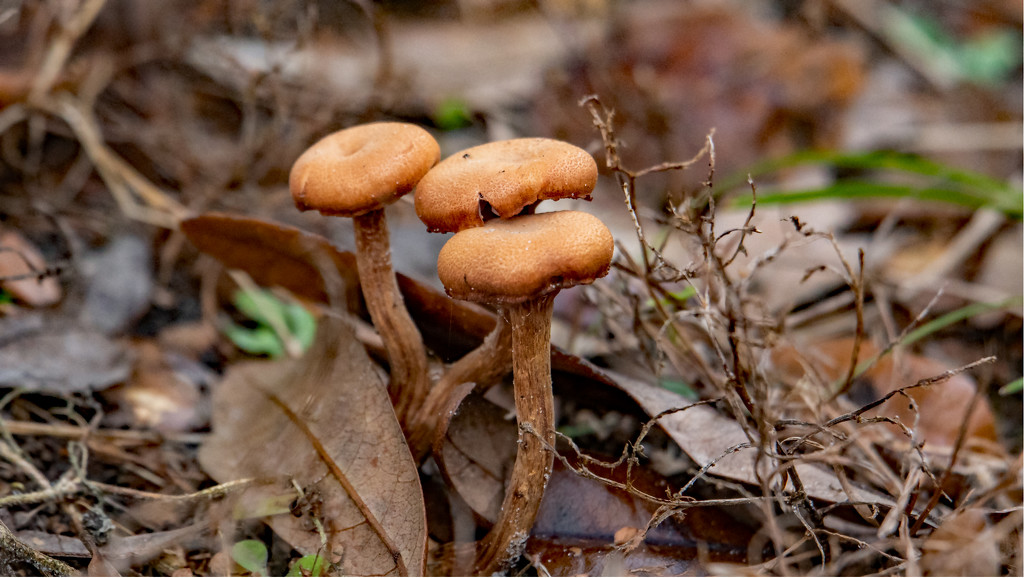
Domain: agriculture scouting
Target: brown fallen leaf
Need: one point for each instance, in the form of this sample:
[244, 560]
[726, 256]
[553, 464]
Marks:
[272, 254]
[325, 423]
[708, 436]
[476, 455]
[163, 392]
[276, 254]
[54, 544]
[963, 545]
[940, 407]
[20, 258]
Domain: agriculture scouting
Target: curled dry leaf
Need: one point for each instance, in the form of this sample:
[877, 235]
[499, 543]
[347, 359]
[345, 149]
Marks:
[19, 258]
[271, 254]
[324, 423]
[476, 454]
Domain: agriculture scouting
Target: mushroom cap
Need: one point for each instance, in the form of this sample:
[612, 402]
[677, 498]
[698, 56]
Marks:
[514, 260]
[503, 177]
[363, 168]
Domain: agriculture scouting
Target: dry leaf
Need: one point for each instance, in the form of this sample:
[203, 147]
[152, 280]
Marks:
[20, 257]
[326, 423]
[706, 436]
[271, 254]
[940, 407]
[477, 454]
[275, 254]
[163, 393]
[61, 360]
[962, 546]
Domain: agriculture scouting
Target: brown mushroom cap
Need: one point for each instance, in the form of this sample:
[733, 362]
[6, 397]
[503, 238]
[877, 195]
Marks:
[506, 176]
[514, 260]
[363, 168]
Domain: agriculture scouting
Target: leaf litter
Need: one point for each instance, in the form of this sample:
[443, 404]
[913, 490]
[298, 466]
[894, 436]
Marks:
[709, 329]
[343, 461]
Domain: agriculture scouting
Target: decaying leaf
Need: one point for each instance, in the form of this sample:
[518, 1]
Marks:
[120, 285]
[18, 259]
[477, 453]
[940, 408]
[707, 436]
[270, 253]
[323, 424]
[578, 513]
[61, 360]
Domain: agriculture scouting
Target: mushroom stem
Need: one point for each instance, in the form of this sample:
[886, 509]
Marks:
[486, 364]
[531, 368]
[402, 341]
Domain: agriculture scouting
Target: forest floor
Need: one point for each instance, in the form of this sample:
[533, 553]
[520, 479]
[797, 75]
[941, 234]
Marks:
[806, 358]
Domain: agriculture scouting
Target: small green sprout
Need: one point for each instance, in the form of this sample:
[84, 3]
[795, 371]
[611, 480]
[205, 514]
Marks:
[452, 114]
[280, 328]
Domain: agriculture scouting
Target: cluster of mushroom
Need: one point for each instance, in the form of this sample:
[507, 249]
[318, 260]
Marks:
[501, 253]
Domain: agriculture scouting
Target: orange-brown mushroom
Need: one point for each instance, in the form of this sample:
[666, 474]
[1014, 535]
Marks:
[502, 179]
[521, 263]
[499, 179]
[355, 173]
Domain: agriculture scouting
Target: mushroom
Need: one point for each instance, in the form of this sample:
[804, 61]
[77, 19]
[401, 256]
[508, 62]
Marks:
[497, 179]
[355, 173]
[521, 263]
[502, 179]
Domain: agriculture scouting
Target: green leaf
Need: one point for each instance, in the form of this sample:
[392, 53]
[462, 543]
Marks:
[1015, 386]
[986, 59]
[259, 341]
[251, 555]
[991, 58]
[935, 181]
[261, 306]
[308, 565]
[452, 114]
[271, 315]
[957, 316]
[946, 320]
[680, 387]
[301, 324]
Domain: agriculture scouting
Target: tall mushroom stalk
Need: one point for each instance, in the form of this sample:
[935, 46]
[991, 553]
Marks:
[355, 173]
[521, 263]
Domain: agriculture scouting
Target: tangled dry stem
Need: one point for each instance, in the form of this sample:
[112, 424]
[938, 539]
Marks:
[728, 321]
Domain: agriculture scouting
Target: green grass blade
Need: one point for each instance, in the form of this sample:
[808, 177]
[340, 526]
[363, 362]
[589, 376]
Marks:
[938, 182]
